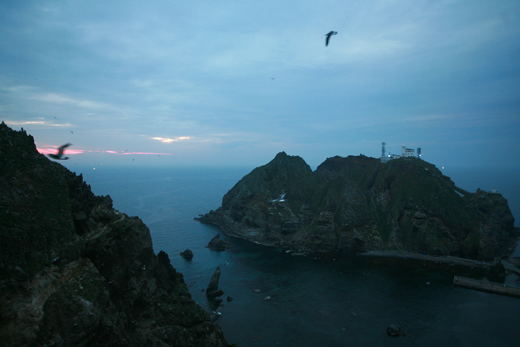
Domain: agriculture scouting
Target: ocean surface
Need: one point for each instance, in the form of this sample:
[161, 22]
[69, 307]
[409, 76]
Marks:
[315, 300]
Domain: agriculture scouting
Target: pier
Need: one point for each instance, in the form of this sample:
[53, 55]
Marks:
[486, 286]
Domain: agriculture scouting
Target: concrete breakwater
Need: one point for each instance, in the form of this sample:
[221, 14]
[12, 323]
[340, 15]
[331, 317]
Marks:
[446, 260]
[460, 266]
[486, 286]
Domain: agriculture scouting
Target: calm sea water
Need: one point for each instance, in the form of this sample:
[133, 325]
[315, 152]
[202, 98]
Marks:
[315, 301]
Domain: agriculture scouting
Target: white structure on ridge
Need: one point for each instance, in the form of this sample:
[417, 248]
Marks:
[405, 153]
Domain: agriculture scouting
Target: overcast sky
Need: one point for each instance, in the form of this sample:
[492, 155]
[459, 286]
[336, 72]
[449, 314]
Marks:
[235, 82]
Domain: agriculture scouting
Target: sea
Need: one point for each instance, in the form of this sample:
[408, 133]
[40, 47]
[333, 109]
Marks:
[280, 299]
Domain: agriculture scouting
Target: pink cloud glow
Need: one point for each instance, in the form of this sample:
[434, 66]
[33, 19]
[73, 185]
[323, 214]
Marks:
[54, 150]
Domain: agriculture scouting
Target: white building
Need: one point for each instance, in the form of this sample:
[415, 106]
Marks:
[407, 152]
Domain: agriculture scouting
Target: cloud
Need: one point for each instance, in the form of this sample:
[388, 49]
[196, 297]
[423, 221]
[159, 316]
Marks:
[53, 149]
[243, 78]
[168, 140]
[145, 153]
[62, 99]
[37, 123]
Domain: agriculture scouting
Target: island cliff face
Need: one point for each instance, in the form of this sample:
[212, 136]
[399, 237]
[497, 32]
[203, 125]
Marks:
[76, 272]
[357, 204]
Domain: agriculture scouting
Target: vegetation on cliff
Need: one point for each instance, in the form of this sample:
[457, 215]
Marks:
[76, 272]
[356, 204]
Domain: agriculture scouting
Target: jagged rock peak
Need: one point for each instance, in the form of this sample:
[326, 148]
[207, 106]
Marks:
[283, 159]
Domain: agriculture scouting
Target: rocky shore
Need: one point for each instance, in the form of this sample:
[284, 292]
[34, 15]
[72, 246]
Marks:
[76, 272]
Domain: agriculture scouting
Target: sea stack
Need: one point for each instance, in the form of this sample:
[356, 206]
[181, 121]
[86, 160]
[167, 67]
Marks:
[213, 289]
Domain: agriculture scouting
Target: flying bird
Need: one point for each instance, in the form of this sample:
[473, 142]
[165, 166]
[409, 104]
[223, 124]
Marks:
[60, 156]
[328, 37]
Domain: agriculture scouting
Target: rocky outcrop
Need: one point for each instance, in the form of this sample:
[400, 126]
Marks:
[76, 272]
[213, 290]
[496, 270]
[187, 254]
[394, 330]
[217, 244]
[357, 204]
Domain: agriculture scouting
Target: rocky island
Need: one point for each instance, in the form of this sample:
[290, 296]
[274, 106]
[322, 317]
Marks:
[358, 204]
[76, 272]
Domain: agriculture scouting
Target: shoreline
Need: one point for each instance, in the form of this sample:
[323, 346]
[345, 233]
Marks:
[445, 260]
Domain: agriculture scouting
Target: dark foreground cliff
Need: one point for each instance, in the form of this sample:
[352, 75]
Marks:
[357, 204]
[76, 272]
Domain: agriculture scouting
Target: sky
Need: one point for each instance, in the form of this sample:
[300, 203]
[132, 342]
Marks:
[235, 82]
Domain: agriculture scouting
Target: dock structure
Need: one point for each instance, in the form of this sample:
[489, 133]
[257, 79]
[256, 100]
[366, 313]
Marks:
[486, 286]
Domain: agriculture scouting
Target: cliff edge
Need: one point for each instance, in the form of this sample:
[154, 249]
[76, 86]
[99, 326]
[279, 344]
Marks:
[358, 204]
[76, 272]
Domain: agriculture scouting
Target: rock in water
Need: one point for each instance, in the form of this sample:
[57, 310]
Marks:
[187, 254]
[394, 330]
[217, 244]
[213, 290]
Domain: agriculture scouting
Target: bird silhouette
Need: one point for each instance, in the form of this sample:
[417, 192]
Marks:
[328, 37]
[60, 156]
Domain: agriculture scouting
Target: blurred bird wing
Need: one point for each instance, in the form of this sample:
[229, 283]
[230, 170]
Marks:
[328, 37]
[62, 148]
